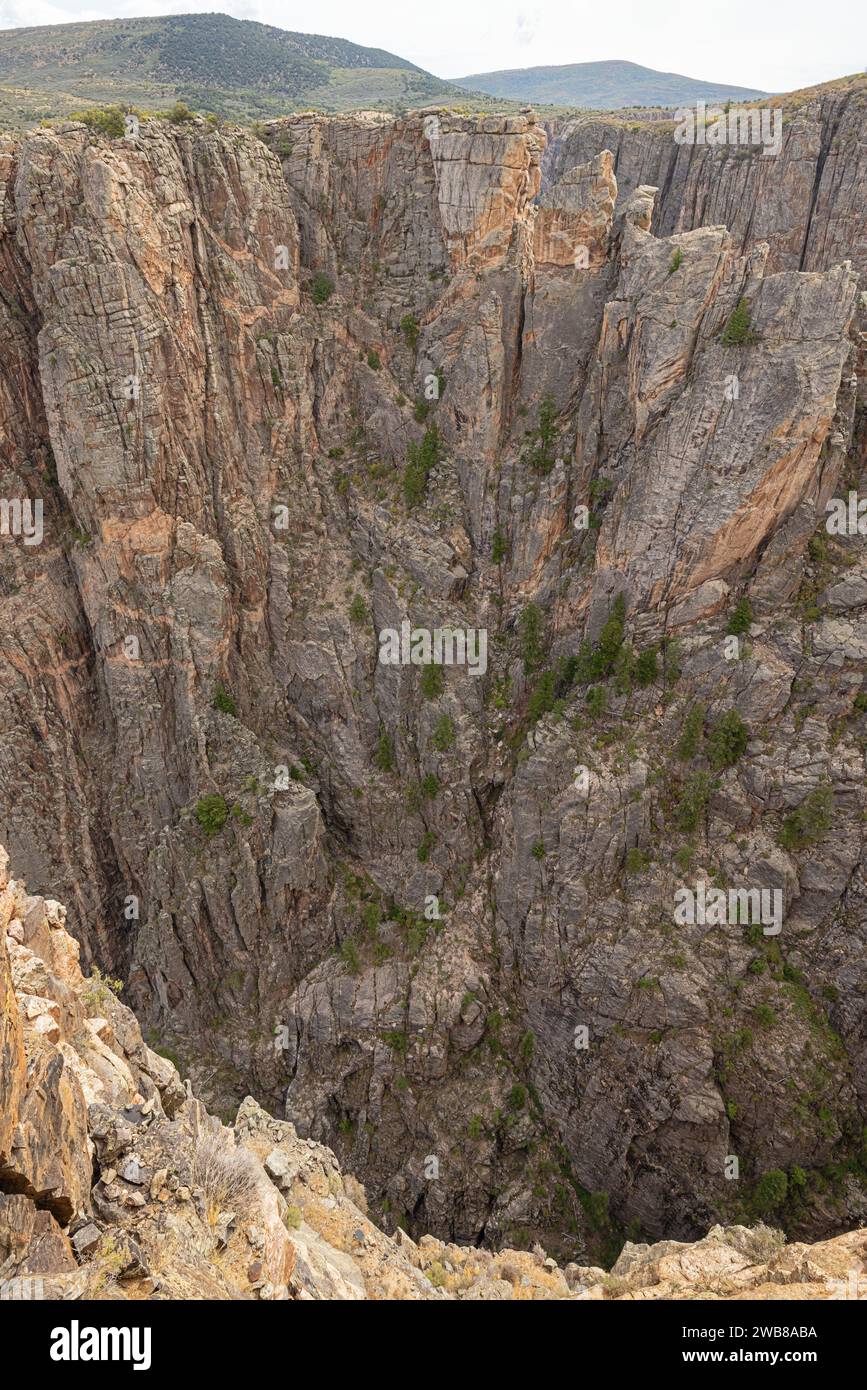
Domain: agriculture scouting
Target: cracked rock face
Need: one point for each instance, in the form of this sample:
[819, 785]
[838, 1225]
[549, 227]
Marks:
[279, 397]
[139, 1193]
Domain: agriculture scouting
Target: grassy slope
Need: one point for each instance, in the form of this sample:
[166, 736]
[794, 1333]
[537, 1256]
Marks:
[237, 68]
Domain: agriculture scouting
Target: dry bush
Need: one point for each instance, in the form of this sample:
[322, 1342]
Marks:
[229, 1177]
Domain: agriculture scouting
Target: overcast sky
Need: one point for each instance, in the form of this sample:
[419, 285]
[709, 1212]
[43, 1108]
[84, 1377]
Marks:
[774, 45]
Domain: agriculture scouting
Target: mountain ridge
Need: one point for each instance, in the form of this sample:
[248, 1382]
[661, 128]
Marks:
[591, 84]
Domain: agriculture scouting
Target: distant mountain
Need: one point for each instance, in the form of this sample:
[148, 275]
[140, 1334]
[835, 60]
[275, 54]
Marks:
[604, 86]
[236, 68]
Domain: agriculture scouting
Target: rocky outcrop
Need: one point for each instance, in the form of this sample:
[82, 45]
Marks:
[805, 201]
[279, 397]
[116, 1183]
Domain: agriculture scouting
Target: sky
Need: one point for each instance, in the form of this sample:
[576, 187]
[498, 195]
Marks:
[772, 45]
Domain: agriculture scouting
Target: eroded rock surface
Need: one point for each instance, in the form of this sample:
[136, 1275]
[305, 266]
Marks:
[139, 1193]
[381, 903]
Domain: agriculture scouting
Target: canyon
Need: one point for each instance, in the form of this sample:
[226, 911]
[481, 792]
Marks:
[281, 391]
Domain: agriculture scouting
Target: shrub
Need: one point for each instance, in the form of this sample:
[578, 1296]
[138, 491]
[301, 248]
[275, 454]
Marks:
[99, 988]
[428, 840]
[350, 957]
[741, 618]
[358, 610]
[542, 699]
[538, 850]
[517, 1096]
[108, 120]
[444, 733]
[228, 1176]
[540, 456]
[764, 1016]
[180, 113]
[645, 668]
[432, 681]
[410, 329]
[770, 1191]
[223, 701]
[373, 360]
[691, 733]
[420, 459]
[212, 813]
[597, 701]
[727, 740]
[322, 288]
[530, 627]
[676, 261]
[693, 800]
[809, 821]
[636, 861]
[499, 547]
[384, 755]
[611, 638]
[429, 786]
[739, 328]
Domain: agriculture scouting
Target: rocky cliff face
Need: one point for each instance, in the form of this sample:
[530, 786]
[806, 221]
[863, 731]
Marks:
[280, 398]
[115, 1182]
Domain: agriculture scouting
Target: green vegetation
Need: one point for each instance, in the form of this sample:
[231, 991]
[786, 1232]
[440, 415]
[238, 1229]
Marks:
[99, 989]
[239, 70]
[530, 628]
[540, 454]
[738, 329]
[108, 120]
[691, 734]
[358, 610]
[444, 733]
[727, 741]
[180, 114]
[428, 840]
[373, 360]
[741, 618]
[224, 702]
[636, 861]
[420, 459]
[597, 701]
[538, 850]
[499, 547]
[646, 668]
[212, 813]
[770, 1192]
[321, 288]
[384, 755]
[432, 681]
[676, 261]
[693, 801]
[409, 327]
[810, 821]
[350, 957]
